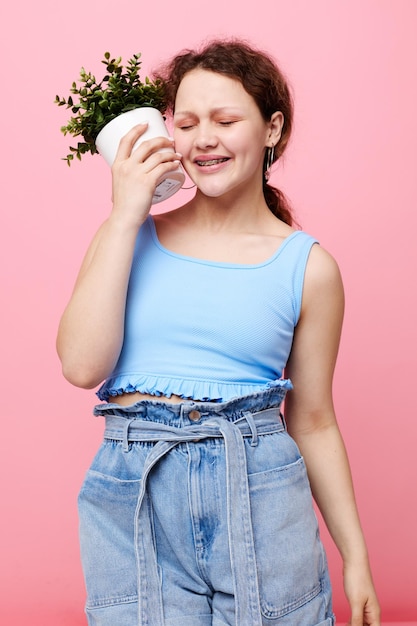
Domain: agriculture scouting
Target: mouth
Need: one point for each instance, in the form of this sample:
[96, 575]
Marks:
[207, 162]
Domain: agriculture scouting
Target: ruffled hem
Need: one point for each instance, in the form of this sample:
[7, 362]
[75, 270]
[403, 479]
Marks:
[206, 391]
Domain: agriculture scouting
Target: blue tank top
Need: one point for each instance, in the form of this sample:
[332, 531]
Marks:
[205, 330]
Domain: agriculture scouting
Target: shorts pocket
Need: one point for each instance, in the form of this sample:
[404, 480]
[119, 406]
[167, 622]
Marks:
[107, 506]
[290, 556]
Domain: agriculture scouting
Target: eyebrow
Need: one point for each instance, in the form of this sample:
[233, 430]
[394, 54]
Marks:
[225, 109]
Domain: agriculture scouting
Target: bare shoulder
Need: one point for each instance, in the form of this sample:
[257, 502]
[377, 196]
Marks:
[321, 264]
[323, 281]
[322, 268]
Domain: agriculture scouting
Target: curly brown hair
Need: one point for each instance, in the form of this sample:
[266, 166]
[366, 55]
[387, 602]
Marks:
[261, 78]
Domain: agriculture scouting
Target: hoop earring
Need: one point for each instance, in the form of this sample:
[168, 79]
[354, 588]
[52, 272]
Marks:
[269, 161]
[188, 181]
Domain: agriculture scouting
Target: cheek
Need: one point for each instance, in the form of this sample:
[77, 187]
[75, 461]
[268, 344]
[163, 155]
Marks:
[181, 143]
[249, 144]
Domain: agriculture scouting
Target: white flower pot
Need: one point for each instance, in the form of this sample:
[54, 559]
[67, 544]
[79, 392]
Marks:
[108, 139]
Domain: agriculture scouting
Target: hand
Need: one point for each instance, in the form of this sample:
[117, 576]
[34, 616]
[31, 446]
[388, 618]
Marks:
[360, 592]
[136, 173]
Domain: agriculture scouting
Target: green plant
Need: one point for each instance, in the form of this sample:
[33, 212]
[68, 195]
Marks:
[120, 90]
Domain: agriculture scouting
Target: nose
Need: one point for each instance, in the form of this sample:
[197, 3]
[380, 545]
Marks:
[205, 137]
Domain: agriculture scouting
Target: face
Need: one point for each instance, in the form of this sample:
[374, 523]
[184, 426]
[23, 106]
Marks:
[221, 134]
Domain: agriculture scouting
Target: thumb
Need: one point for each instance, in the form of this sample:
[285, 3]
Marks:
[357, 616]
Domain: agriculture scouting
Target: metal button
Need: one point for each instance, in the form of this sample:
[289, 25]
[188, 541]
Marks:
[194, 416]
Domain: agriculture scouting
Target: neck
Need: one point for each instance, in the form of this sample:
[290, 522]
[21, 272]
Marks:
[228, 212]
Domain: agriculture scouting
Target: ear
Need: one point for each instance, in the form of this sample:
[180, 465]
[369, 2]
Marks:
[275, 128]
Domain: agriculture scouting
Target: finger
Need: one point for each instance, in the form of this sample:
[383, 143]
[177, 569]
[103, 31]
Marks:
[128, 141]
[161, 157]
[153, 146]
[158, 162]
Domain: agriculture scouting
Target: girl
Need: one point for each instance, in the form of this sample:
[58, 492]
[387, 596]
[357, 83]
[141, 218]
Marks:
[197, 509]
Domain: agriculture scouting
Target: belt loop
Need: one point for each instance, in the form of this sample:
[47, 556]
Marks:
[125, 444]
[282, 418]
[252, 426]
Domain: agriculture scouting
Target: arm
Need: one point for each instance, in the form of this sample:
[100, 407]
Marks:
[90, 333]
[312, 423]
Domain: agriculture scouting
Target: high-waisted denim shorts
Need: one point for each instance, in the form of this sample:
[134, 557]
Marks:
[201, 514]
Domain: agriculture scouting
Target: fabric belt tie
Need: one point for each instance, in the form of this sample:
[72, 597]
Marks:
[241, 542]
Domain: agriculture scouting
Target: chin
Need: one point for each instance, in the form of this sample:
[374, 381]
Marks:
[213, 194]
[214, 191]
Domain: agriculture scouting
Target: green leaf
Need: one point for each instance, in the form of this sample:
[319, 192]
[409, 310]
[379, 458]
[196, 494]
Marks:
[120, 89]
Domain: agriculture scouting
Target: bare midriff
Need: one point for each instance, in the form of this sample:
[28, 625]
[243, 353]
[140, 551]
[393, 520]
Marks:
[131, 398]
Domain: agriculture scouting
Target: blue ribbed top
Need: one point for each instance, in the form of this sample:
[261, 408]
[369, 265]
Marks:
[206, 330]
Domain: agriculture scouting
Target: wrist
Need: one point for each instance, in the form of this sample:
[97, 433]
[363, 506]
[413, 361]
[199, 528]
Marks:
[359, 559]
[120, 222]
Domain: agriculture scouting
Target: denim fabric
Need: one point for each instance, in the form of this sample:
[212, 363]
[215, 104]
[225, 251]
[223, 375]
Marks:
[199, 514]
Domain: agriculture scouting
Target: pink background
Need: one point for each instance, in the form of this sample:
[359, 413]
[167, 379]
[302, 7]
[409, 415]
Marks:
[351, 173]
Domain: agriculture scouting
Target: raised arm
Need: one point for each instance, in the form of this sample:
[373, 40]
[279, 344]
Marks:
[90, 333]
[312, 423]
